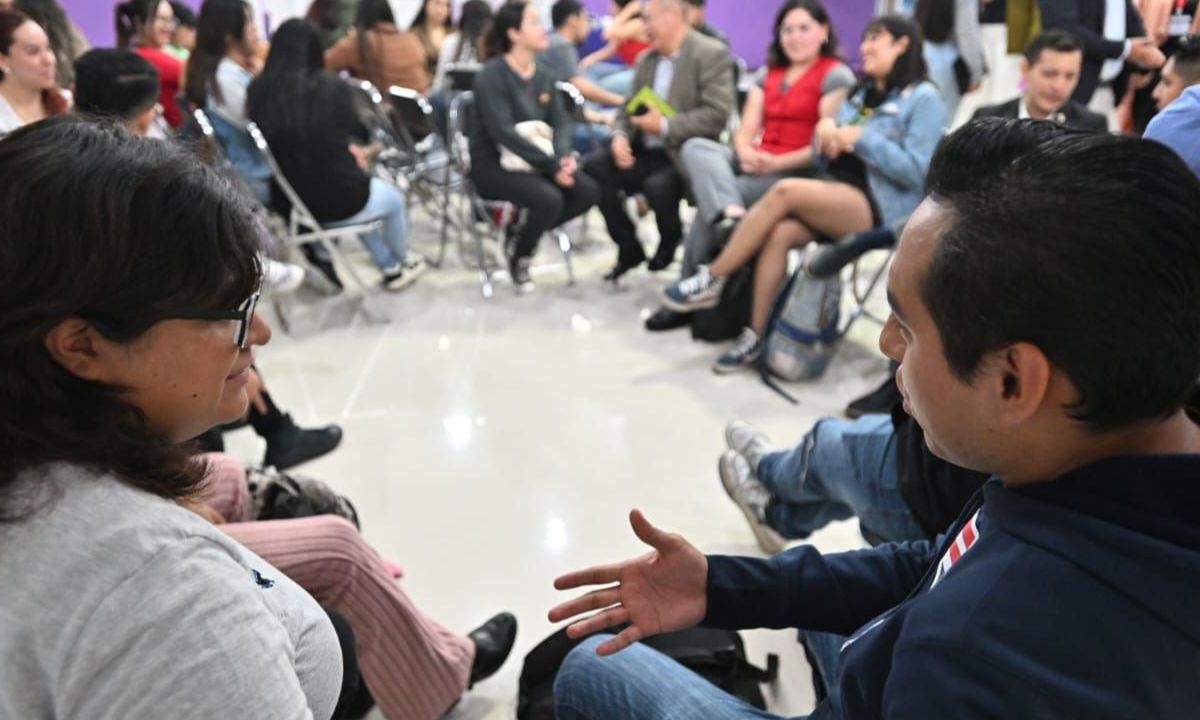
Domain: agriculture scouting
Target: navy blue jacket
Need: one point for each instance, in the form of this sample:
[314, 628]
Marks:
[1081, 599]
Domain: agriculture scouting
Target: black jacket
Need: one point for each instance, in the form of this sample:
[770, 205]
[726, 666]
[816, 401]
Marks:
[1077, 601]
[1073, 115]
[1085, 20]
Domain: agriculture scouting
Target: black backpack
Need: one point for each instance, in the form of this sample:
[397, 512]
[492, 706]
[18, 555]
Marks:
[716, 655]
[732, 314]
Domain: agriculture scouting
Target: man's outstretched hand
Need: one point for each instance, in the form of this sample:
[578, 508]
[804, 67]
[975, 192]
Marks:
[661, 591]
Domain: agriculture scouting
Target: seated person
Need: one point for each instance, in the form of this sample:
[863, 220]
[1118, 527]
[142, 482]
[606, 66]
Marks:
[222, 66]
[118, 347]
[874, 157]
[146, 27]
[28, 92]
[694, 75]
[561, 61]
[1081, 548]
[308, 119]
[612, 66]
[697, 16]
[1181, 72]
[413, 666]
[122, 85]
[431, 26]
[462, 48]
[376, 50]
[803, 82]
[512, 89]
[1050, 71]
[1178, 127]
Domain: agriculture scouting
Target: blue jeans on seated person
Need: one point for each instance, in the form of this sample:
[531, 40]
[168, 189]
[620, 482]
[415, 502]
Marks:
[388, 246]
[840, 469]
[640, 683]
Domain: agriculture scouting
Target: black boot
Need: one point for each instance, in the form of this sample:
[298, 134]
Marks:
[664, 255]
[626, 261]
[289, 445]
[493, 642]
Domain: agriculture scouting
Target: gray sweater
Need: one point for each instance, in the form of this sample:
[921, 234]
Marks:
[115, 603]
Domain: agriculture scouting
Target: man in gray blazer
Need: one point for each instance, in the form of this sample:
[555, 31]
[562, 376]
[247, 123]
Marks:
[695, 76]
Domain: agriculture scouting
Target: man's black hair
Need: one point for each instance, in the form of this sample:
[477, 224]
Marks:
[114, 83]
[1084, 246]
[563, 11]
[1187, 59]
[1054, 40]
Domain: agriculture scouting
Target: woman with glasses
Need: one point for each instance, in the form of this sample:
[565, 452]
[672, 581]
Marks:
[28, 92]
[128, 283]
[148, 27]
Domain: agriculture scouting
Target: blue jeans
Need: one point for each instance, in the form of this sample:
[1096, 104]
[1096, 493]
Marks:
[840, 469]
[640, 683]
[388, 246]
[940, 57]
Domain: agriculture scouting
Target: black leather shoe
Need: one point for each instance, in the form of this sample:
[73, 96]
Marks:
[666, 319]
[663, 256]
[291, 445]
[881, 400]
[624, 265]
[493, 642]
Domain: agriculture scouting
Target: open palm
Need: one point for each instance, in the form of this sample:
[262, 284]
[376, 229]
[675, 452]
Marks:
[661, 591]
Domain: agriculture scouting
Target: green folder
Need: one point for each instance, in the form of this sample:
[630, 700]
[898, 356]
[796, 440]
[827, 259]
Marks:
[647, 96]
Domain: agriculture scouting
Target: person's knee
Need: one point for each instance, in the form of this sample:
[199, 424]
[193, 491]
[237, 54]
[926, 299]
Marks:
[579, 673]
[587, 191]
[697, 151]
[662, 188]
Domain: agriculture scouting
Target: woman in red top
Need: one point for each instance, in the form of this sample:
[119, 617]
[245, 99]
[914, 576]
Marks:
[804, 81]
[147, 26]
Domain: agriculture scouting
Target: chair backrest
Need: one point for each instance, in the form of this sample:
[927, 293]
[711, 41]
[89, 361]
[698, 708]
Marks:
[210, 147]
[300, 211]
[412, 111]
[572, 100]
[461, 77]
[458, 127]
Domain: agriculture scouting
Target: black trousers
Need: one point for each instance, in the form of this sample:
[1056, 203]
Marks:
[653, 175]
[548, 205]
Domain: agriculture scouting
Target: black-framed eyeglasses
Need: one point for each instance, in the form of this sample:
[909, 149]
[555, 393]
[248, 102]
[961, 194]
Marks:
[244, 315]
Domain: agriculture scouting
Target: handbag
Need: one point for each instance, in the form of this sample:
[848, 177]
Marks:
[538, 134]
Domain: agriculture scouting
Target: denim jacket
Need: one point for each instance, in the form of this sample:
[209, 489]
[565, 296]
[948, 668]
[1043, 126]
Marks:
[896, 145]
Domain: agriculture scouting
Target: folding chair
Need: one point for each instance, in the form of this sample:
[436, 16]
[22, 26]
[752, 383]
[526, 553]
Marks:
[303, 226]
[475, 206]
[828, 260]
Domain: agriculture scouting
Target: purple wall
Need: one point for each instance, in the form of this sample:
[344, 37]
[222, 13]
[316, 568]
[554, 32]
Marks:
[746, 22]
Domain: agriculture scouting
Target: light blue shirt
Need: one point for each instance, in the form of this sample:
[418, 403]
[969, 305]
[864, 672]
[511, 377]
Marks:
[1178, 127]
[664, 73]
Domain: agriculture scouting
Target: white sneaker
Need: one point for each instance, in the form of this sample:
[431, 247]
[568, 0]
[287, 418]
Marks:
[280, 278]
[698, 292]
[398, 278]
[751, 497]
[415, 263]
[749, 442]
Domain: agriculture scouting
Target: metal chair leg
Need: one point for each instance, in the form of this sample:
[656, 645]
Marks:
[564, 244]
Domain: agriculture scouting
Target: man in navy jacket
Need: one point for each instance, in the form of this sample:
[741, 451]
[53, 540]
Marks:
[1044, 317]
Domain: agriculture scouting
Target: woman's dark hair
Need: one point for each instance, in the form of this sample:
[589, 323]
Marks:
[183, 14]
[114, 83]
[132, 17]
[84, 236]
[278, 98]
[472, 24]
[222, 25]
[910, 66]
[53, 19]
[423, 14]
[776, 57]
[10, 20]
[1122, 215]
[936, 19]
[370, 14]
[508, 17]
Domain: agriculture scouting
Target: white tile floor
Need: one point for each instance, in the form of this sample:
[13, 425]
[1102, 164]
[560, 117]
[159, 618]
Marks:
[491, 445]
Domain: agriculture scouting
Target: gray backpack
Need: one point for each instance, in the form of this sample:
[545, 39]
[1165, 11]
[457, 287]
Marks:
[802, 332]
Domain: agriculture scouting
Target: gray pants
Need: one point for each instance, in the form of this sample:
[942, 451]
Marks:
[717, 183]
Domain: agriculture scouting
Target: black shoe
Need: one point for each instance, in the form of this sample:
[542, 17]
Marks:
[663, 256]
[493, 642]
[291, 445]
[724, 229]
[323, 265]
[625, 263]
[665, 319]
[881, 400]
